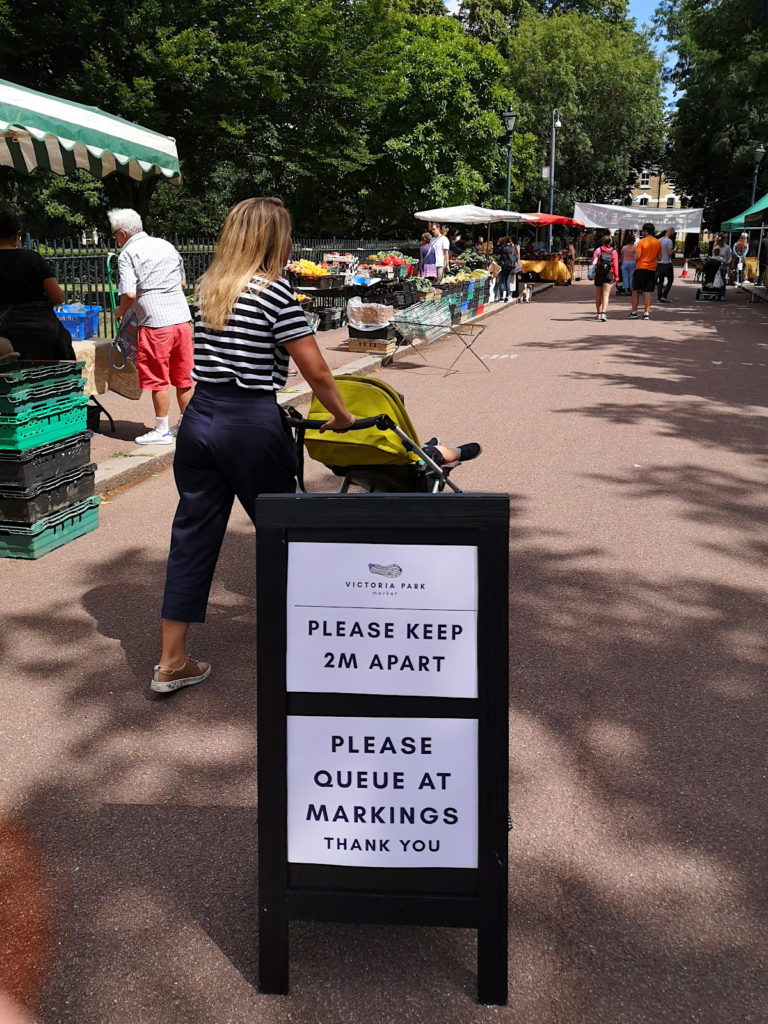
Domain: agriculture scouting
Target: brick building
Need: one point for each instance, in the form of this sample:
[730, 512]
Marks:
[655, 191]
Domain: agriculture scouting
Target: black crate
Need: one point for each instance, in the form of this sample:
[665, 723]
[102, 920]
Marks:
[30, 504]
[384, 333]
[25, 469]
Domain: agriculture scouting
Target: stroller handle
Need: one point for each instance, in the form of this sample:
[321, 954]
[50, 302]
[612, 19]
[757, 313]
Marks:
[383, 422]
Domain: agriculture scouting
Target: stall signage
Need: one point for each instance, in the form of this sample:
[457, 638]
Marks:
[388, 619]
[382, 792]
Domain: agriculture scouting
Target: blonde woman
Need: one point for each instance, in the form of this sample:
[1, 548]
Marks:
[231, 442]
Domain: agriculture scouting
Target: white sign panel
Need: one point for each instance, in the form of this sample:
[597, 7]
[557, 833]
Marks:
[382, 792]
[392, 619]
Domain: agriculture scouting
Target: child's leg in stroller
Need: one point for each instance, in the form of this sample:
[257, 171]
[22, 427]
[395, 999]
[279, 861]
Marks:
[442, 454]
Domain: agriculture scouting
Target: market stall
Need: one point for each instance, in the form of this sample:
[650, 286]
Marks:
[548, 269]
[755, 221]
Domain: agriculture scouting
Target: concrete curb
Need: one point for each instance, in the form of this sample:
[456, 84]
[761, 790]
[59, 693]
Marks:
[121, 471]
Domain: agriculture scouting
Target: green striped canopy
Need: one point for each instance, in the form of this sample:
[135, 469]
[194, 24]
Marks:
[58, 135]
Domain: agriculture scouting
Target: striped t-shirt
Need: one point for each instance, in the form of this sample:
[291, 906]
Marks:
[249, 351]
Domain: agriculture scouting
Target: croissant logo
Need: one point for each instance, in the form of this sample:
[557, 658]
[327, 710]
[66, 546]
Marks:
[390, 571]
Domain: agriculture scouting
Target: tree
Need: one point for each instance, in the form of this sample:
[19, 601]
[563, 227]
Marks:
[495, 21]
[605, 81]
[721, 74]
[274, 97]
[440, 139]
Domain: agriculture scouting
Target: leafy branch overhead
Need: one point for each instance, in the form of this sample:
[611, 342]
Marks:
[356, 112]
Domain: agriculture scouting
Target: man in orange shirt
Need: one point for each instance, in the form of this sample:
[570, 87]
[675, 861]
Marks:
[647, 252]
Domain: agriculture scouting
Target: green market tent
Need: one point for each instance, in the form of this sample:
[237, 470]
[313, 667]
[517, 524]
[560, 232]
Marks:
[37, 130]
[751, 217]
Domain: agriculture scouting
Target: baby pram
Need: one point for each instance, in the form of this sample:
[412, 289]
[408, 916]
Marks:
[712, 286]
[381, 452]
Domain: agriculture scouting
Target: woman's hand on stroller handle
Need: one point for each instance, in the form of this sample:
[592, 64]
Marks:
[383, 422]
[337, 424]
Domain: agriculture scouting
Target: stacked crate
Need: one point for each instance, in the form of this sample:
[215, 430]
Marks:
[46, 479]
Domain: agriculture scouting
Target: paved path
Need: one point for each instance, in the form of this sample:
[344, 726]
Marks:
[635, 454]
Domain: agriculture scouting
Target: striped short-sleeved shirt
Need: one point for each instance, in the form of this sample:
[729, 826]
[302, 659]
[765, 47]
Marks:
[250, 350]
[152, 270]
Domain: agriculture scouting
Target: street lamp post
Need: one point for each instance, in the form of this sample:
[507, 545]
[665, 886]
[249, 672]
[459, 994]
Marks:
[552, 141]
[757, 156]
[509, 117]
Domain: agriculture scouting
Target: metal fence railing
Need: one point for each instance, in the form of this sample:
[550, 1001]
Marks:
[81, 270]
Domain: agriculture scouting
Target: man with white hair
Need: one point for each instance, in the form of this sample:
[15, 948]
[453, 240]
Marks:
[152, 280]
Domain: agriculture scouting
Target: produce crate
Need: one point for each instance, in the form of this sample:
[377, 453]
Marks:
[81, 321]
[480, 310]
[26, 402]
[63, 417]
[30, 467]
[50, 532]
[32, 374]
[308, 281]
[374, 346]
[28, 505]
[383, 333]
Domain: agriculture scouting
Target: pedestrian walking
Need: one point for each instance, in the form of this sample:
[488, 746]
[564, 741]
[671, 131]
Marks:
[647, 253]
[604, 272]
[665, 272]
[232, 442]
[152, 282]
[508, 259]
[627, 262]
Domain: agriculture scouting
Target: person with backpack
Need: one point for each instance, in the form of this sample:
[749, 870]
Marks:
[604, 272]
[509, 260]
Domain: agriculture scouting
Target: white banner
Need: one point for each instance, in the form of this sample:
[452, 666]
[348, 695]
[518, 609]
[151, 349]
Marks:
[382, 792]
[382, 619]
[626, 218]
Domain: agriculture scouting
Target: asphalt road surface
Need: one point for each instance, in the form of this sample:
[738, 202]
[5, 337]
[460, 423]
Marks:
[635, 455]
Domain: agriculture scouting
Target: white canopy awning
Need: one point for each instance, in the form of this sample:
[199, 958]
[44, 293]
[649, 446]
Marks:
[471, 215]
[598, 215]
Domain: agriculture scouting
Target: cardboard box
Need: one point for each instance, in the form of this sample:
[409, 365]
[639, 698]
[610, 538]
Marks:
[373, 346]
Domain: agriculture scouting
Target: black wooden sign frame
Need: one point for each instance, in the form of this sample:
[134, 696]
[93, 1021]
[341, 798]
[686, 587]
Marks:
[465, 898]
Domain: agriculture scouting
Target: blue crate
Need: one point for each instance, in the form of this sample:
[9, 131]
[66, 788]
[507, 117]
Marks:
[81, 321]
[465, 307]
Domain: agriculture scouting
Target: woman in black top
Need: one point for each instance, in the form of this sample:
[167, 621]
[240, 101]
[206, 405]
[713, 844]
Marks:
[28, 292]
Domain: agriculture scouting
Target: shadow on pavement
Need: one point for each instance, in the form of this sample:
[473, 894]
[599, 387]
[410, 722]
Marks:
[637, 793]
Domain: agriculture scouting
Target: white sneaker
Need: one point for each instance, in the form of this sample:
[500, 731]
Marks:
[155, 437]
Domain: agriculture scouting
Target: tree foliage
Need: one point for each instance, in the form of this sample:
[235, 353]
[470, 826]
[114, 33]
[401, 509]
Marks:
[355, 112]
[721, 74]
[605, 82]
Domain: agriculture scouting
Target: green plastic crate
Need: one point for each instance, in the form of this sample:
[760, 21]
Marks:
[27, 373]
[61, 417]
[49, 533]
[32, 401]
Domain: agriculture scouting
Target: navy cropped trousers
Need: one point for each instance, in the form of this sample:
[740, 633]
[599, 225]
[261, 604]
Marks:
[231, 444]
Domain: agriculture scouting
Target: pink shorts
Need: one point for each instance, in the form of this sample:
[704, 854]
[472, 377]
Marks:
[165, 356]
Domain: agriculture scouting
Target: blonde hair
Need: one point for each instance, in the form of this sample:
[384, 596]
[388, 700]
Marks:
[255, 240]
